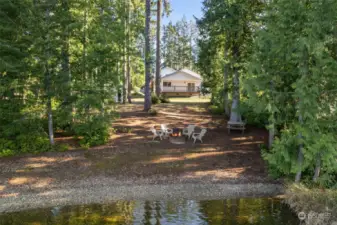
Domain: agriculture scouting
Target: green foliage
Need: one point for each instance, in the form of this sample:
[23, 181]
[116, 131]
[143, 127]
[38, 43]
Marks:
[216, 110]
[164, 99]
[7, 147]
[64, 59]
[62, 147]
[250, 116]
[93, 131]
[152, 112]
[282, 157]
[155, 99]
[177, 44]
[124, 130]
[33, 143]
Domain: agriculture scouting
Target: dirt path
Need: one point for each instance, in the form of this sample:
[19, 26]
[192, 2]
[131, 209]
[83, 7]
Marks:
[131, 158]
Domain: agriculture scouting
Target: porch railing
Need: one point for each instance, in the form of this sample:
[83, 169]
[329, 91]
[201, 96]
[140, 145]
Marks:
[181, 89]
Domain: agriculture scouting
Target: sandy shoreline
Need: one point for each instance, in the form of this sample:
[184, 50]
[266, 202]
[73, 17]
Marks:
[110, 191]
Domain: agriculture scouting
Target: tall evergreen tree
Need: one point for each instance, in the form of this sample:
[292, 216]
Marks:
[147, 96]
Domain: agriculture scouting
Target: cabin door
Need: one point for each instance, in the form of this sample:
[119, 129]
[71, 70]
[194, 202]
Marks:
[191, 87]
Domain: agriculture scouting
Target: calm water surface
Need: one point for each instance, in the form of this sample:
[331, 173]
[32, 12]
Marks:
[260, 211]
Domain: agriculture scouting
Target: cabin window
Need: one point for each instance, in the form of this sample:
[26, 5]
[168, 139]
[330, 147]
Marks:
[167, 84]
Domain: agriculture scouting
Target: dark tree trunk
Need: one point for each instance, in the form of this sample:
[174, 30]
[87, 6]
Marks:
[66, 63]
[317, 168]
[50, 121]
[300, 158]
[128, 61]
[271, 122]
[226, 71]
[47, 81]
[235, 114]
[147, 96]
[158, 58]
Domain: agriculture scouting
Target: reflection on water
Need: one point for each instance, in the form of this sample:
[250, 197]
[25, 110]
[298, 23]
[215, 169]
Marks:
[261, 211]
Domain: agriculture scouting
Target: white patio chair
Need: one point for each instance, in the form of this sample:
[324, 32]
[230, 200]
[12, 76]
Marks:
[199, 136]
[188, 131]
[156, 133]
[166, 131]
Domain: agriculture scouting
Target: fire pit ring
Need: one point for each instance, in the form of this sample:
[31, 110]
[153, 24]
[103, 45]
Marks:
[177, 137]
[176, 132]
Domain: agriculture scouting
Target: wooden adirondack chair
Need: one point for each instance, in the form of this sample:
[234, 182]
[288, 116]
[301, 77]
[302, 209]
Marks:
[199, 136]
[156, 133]
[188, 131]
[166, 131]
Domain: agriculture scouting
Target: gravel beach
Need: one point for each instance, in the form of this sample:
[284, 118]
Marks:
[87, 192]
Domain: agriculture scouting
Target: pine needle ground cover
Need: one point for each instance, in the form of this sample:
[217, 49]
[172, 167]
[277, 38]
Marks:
[131, 157]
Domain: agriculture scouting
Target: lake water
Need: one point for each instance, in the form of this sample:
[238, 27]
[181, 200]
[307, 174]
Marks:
[258, 211]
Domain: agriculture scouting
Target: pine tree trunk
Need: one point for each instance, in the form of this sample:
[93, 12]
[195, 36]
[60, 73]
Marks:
[128, 62]
[47, 82]
[125, 76]
[317, 168]
[235, 115]
[50, 121]
[128, 76]
[271, 122]
[300, 157]
[158, 58]
[271, 136]
[66, 63]
[84, 56]
[125, 85]
[226, 70]
[147, 96]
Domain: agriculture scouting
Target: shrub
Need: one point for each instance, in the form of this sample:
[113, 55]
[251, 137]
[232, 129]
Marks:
[25, 135]
[94, 132]
[164, 99]
[33, 143]
[155, 99]
[251, 116]
[152, 112]
[216, 110]
[62, 147]
[7, 147]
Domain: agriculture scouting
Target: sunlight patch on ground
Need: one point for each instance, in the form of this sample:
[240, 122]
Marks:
[42, 159]
[36, 165]
[43, 183]
[9, 195]
[168, 159]
[199, 155]
[67, 159]
[207, 149]
[242, 138]
[191, 165]
[18, 180]
[249, 143]
[187, 156]
[225, 173]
